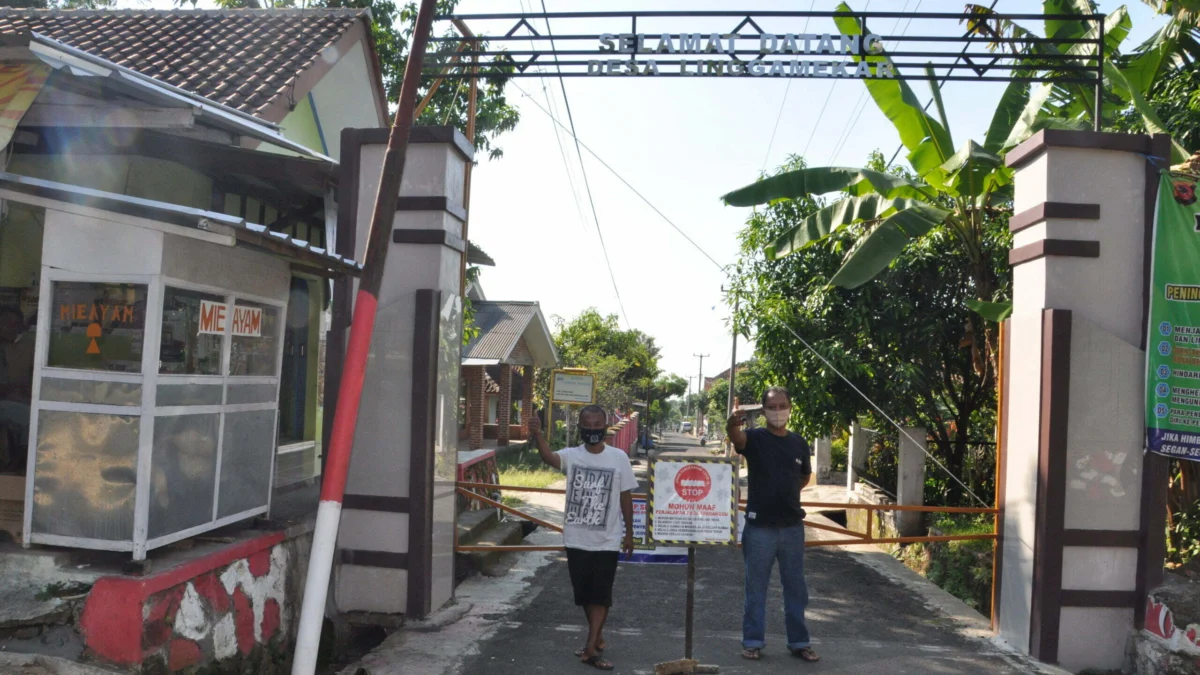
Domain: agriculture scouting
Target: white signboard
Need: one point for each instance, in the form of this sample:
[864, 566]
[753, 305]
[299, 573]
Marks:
[247, 321]
[212, 317]
[693, 500]
[573, 388]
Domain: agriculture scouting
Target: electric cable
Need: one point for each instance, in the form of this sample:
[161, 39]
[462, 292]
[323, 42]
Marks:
[583, 169]
[941, 84]
[782, 103]
[786, 327]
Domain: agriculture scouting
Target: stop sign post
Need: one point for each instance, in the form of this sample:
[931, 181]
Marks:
[693, 501]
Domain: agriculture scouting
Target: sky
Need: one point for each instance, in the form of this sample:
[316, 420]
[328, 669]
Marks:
[681, 143]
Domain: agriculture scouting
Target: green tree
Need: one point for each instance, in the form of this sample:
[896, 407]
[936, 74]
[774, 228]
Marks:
[945, 192]
[661, 391]
[625, 362]
[748, 388]
[900, 339]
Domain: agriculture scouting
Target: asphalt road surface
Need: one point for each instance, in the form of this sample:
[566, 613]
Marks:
[861, 621]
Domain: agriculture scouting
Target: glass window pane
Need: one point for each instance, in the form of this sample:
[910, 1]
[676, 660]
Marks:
[97, 326]
[185, 350]
[255, 349]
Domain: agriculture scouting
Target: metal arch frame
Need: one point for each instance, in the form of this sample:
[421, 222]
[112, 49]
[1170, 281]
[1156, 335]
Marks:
[1060, 68]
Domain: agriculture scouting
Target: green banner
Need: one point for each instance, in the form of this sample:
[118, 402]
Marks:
[1173, 343]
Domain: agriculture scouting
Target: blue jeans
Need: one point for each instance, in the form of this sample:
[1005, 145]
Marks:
[760, 547]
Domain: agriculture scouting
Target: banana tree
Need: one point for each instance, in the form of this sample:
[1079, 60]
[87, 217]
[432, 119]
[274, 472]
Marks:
[1128, 78]
[946, 188]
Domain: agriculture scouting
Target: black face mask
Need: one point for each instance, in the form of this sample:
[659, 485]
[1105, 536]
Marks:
[593, 436]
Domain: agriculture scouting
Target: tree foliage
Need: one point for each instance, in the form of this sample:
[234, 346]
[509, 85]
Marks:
[625, 362]
[904, 340]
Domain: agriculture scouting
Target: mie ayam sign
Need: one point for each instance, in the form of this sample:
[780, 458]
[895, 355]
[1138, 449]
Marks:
[247, 321]
[793, 44]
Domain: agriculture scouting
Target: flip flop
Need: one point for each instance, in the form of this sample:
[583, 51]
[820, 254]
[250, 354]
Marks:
[583, 650]
[596, 662]
[806, 654]
[752, 654]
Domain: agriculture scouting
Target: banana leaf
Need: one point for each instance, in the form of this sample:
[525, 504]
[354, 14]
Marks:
[928, 142]
[831, 218]
[878, 249]
[819, 181]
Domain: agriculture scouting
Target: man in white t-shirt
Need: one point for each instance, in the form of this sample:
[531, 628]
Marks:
[600, 484]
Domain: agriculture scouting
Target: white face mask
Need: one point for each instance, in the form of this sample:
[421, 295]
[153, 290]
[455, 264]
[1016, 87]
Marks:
[778, 418]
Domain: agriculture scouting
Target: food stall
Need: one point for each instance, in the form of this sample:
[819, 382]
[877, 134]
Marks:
[156, 375]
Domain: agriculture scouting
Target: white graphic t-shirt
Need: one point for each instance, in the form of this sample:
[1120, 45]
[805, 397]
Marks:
[593, 520]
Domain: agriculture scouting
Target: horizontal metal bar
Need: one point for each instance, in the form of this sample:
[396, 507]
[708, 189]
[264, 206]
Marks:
[961, 16]
[510, 488]
[441, 59]
[664, 63]
[490, 502]
[900, 507]
[511, 548]
[519, 548]
[918, 78]
[835, 530]
[902, 540]
[754, 36]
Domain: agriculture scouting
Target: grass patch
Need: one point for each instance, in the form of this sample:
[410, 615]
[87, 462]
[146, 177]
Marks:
[524, 468]
[962, 568]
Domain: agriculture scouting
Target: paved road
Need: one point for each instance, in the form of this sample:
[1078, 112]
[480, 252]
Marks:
[862, 621]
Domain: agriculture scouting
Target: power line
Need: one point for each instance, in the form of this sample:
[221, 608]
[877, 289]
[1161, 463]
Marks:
[861, 105]
[561, 150]
[619, 177]
[724, 269]
[817, 124]
[941, 84]
[782, 103]
[583, 169]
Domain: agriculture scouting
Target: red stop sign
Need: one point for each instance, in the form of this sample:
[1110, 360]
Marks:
[693, 483]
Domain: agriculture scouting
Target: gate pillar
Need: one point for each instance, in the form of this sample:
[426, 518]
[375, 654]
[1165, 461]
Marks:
[1081, 538]
[396, 541]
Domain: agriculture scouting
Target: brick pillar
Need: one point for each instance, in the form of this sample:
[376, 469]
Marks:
[504, 405]
[527, 373]
[475, 406]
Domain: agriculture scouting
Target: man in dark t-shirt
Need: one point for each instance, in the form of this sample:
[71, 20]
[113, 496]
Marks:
[779, 466]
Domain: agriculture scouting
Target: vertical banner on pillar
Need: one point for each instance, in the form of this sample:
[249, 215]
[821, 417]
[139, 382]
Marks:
[1173, 343]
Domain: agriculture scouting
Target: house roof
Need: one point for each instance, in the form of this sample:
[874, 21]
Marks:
[245, 59]
[501, 326]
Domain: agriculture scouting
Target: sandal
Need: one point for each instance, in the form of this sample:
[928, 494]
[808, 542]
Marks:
[583, 650]
[806, 654]
[596, 662]
[752, 653]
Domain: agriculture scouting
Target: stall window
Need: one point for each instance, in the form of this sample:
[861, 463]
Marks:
[97, 326]
[191, 340]
[255, 347]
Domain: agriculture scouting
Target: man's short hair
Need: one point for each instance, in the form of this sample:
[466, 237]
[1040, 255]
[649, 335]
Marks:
[593, 410]
[775, 390]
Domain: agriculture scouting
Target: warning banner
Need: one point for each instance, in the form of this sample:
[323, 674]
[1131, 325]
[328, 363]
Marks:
[693, 501]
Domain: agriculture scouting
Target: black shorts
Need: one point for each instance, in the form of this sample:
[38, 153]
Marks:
[592, 575]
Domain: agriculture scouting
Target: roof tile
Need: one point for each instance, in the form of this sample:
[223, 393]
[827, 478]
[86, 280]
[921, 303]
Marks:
[245, 59]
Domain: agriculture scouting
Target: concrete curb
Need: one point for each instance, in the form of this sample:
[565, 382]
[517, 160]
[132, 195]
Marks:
[970, 623]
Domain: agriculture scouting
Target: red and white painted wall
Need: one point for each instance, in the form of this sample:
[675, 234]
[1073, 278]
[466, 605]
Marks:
[235, 606]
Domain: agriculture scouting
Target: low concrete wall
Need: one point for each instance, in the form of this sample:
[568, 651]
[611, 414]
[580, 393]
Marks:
[1169, 644]
[884, 522]
[231, 610]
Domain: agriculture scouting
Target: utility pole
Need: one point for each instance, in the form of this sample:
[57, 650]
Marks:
[732, 368]
[699, 390]
[687, 402]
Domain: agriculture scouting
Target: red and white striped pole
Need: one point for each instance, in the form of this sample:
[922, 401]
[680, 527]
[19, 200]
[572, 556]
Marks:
[341, 441]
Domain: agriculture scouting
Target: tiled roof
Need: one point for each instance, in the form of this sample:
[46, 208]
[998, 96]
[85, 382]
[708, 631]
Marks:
[500, 325]
[245, 59]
